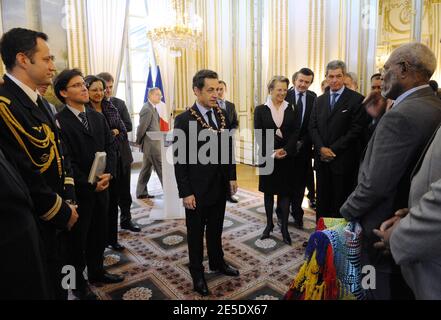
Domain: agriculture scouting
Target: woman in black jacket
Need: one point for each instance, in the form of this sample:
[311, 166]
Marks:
[276, 120]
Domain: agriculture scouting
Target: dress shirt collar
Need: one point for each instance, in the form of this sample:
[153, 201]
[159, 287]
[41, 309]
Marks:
[408, 93]
[203, 110]
[33, 95]
[339, 92]
[76, 112]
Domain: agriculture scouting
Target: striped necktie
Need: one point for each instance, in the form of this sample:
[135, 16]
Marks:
[83, 118]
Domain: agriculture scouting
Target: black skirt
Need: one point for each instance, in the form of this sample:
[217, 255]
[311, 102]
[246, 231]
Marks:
[281, 181]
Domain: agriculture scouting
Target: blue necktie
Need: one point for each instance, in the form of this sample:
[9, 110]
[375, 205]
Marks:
[300, 107]
[333, 100]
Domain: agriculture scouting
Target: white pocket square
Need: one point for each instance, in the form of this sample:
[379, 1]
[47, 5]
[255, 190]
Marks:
[344, 111]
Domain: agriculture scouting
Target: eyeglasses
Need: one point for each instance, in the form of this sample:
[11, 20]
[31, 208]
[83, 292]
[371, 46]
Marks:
[77, 85]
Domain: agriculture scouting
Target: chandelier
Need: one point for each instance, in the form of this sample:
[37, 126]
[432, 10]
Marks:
[175, 25]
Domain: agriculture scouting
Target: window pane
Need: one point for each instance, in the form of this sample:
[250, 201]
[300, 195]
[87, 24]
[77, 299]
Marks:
[137, 8]
[138, 33]
[138, 95]
[139, 61]
[121, 91]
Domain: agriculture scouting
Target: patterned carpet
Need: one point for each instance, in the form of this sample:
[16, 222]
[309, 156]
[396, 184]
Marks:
[155, 260]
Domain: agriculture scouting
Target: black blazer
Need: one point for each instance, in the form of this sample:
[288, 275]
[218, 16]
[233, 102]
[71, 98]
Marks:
[46, 188]
[290, 130]
[196, 178]
[82, 144]
[304, 136]
[232, 114]
[123, 112]
[341, 130]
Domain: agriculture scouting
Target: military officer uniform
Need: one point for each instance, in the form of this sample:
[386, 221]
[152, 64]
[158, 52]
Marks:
[30, 139]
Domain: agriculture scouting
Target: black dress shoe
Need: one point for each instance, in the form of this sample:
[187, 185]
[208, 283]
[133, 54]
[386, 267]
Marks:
[106, 278]
[227, 270]
[298, 223]
[232, 200]
[286, 237]
[84, 293]
[117, 247]
[266, 232]
[200, 286]
[130, 226]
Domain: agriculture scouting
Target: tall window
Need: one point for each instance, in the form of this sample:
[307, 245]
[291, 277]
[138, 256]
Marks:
[138, 55]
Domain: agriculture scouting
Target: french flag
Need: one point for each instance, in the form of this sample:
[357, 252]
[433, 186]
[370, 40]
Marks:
[161, 108]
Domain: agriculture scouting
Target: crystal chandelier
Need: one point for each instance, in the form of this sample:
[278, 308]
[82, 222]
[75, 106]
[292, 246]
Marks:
[175, 25]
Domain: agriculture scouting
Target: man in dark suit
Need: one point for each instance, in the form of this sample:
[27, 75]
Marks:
[337, 124]
[204, 184]
[303, 100]
[394, 149]
[125, 197]
[230, 109]
[86, 132]
[30, 139]
[23, 269]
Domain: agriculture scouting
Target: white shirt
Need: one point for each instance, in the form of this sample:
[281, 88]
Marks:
[33, 95]
[408, 93]
[277, 115]
[76, 112]
[155, 106]
[204, 111]
[337, 97]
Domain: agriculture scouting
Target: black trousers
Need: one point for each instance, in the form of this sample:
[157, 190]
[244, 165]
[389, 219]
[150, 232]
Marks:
[208, 219]
[88, 236]
[119, 195]
[332, 191]
[310, 182]
[55, 244]
[389, 285]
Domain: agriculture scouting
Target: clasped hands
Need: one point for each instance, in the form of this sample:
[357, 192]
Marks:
[326, 154]
[103, 182]
[386, 230]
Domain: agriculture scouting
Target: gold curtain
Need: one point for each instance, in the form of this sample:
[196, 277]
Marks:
[228, 49]
[278, 38]
[78, 52]
[435, 44]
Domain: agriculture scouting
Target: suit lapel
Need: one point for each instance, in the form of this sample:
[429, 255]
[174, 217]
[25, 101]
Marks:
[423, 155]
[307, 112]
[76, 122]
[195, 108]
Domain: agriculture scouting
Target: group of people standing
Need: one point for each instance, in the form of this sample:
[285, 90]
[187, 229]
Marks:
[49, 157]
[365, 156]
[382, 170]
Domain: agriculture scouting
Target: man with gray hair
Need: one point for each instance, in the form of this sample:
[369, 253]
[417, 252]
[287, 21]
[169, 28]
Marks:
[149, 121]
[336, 126]
[351, 81]
[392, 153]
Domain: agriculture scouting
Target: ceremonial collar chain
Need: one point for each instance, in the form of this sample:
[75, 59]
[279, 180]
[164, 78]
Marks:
[207, 126]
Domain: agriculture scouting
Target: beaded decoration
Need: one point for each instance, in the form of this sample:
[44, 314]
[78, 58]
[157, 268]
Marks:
[204, 124]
